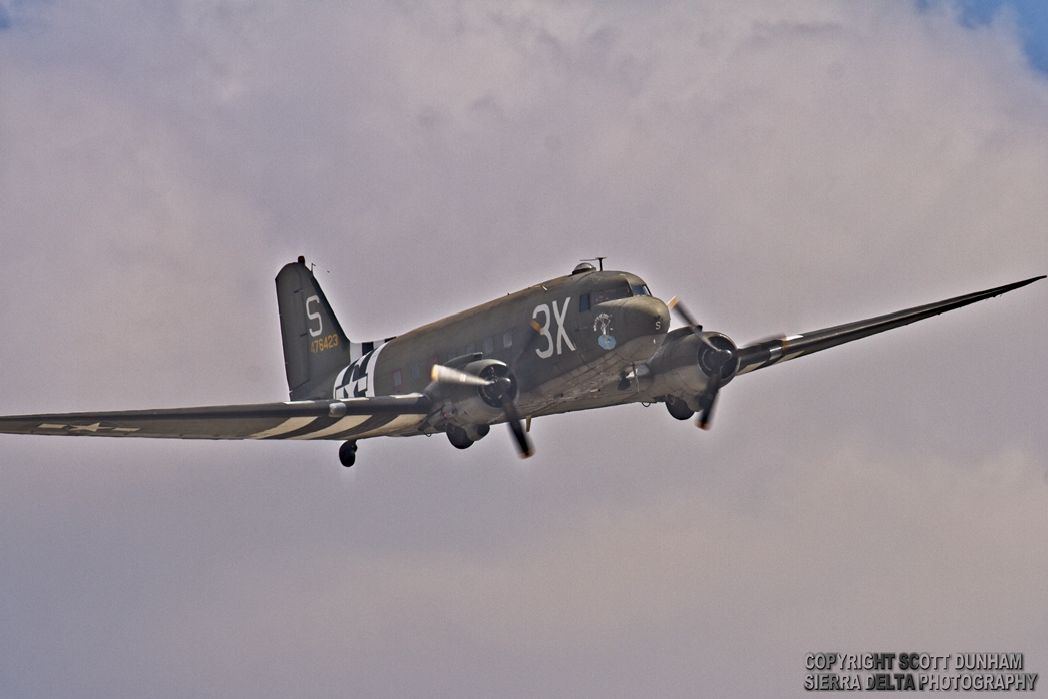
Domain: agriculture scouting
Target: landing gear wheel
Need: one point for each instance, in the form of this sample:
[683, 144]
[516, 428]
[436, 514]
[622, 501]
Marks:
[347, 453]
[678, 408]
[458, 437]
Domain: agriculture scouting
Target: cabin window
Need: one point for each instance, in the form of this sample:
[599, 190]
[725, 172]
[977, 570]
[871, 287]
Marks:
[641, 290]
[489, 345]
[584, 301]
[416, 372]
[398, 379]
[507, 339]
[619, 291]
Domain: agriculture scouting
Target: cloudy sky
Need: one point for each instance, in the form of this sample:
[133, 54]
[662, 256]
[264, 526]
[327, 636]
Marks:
[783, 167]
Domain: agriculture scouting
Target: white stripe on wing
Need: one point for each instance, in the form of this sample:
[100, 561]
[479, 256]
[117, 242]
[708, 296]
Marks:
[289, 425]
[346, 423]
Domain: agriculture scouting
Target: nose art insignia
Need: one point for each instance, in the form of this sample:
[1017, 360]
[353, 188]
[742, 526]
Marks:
[602, 324]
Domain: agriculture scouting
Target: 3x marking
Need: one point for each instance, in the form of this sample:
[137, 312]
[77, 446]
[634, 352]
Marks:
[557, 317]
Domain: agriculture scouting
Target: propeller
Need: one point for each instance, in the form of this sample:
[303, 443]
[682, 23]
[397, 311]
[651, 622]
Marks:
[502, 390]
[497, 388]
[707, 400]
[678, 307]
[713, 361]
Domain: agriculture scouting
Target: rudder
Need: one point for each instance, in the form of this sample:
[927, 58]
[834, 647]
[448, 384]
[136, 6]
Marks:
[315, 346]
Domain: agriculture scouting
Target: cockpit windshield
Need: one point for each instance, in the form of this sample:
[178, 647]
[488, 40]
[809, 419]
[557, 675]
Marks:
[619, 291]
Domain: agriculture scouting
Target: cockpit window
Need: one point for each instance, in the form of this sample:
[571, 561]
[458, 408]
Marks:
[619, 291]
[641, 290]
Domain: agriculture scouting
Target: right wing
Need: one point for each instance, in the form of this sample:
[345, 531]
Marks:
[309, 419]
[767, 352]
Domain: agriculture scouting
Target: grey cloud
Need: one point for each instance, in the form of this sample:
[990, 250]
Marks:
[783, 168]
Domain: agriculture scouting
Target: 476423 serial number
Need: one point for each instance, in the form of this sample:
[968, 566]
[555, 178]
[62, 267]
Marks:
[323, 344]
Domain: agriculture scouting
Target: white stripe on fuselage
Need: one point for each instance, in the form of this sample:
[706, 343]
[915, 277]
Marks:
[365, 375]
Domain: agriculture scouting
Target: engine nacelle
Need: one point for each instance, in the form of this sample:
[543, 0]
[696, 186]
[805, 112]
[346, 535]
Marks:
[684, 364]
[471, 406]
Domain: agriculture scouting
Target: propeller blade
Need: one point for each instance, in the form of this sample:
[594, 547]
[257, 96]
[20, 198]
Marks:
[524, 447]
[535, 329]
[447, 375]
[709, 396]
[678, 307]
[708, 400]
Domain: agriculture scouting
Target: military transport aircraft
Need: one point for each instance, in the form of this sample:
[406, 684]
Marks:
[590, 339]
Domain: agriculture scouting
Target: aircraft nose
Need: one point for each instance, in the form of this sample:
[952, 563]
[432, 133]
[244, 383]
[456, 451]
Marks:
[646, 315]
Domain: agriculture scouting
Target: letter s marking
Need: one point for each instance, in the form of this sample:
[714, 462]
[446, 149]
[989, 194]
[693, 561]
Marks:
[314, 315]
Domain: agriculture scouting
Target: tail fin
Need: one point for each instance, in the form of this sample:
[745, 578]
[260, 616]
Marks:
[315, 346]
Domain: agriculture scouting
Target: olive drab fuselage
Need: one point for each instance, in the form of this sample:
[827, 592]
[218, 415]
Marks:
[571, 341]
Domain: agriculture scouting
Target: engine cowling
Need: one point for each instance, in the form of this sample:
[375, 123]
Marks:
[470, 406]
[685, 363]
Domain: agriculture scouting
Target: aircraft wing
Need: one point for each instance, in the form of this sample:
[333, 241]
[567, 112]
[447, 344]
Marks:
[767, 352]
[311, 419]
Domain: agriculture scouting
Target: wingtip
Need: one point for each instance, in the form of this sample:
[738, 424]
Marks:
[1024, 282]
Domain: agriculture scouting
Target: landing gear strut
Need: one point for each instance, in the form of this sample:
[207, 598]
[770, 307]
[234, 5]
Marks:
[347, 453]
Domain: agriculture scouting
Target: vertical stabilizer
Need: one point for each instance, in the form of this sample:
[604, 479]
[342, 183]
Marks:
[315, 346]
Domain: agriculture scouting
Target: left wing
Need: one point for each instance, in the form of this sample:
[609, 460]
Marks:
[310, 419]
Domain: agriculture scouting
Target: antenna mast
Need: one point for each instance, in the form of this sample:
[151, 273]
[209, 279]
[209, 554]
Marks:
[599, 260]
